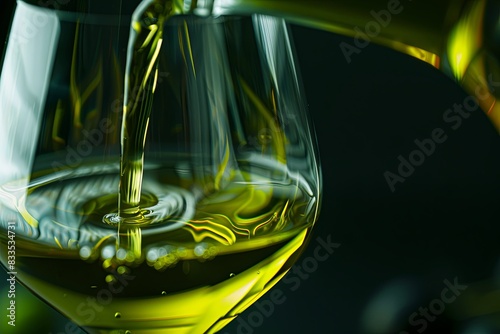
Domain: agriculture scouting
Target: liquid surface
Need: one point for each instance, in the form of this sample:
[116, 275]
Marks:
[65, 211]
[232, 244]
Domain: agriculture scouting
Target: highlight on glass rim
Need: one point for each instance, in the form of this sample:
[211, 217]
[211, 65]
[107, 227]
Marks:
[160, 170]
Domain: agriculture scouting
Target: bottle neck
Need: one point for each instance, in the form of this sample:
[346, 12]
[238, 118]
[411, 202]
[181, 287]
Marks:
[418, 28]
[459, 37]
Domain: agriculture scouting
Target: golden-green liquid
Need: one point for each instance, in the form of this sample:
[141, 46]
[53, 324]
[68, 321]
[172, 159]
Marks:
[142, 71]
[191, 297]
[145, 43]
[190, 276]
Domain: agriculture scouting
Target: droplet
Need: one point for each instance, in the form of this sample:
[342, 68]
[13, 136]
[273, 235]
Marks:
[118, 315]
[93, 286]
[258, 272]
[231, 275]
[65, 295]
[186, 267]
[128, 332]
[164, 293]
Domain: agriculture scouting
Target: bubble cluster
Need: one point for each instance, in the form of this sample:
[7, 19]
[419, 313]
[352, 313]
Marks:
[163, 257]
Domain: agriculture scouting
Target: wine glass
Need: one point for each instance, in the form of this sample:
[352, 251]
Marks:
[228, 143]
[229, 183]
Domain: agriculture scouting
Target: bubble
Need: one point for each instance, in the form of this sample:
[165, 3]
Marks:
[162, 251]
[118, 315]
[182, 251]
[170, 259]
[232, 275]
[85, 252]
[107, 264]
[130, 257]
[111, 219]
[108, 252]
[212, 251]
[152, 255]
[164, 293]
[121, 254]
[110, 279]
[123, 270]
[200, 249]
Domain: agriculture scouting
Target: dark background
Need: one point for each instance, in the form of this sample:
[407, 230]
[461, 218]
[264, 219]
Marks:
[396, 248]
